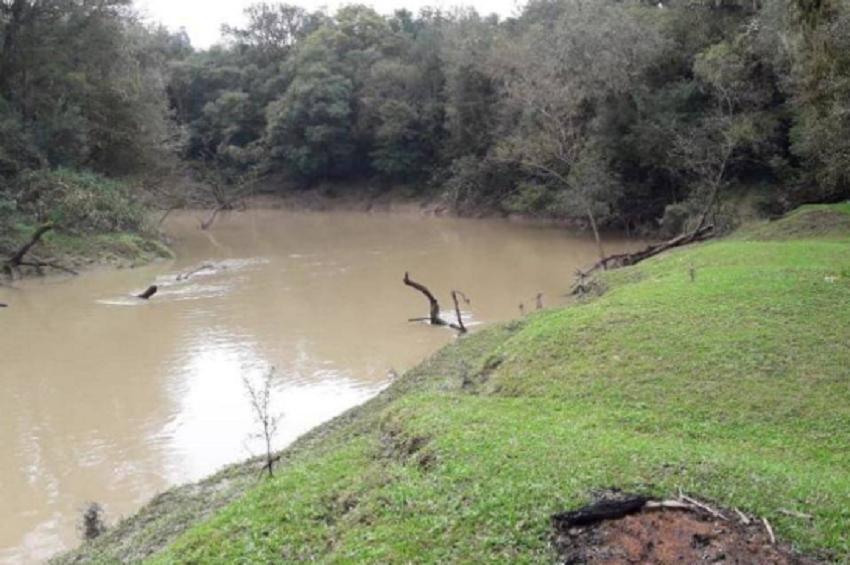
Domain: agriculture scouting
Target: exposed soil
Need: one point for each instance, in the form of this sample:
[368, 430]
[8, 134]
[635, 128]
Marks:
[668, 537]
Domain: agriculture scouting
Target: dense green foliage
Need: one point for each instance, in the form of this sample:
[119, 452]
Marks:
[615, 111]
[619, 112]
[81, 85]
[82, 101]
[731, 386]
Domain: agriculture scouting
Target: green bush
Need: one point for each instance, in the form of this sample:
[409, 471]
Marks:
[81, 203]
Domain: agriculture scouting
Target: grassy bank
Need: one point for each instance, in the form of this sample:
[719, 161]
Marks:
[720, 370]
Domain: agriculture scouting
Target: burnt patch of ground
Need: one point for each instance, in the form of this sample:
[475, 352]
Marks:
[666, 536]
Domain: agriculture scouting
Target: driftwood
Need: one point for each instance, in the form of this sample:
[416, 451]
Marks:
[3, 305]
[434, 316]
[539, 299]
[148, 294]
[628, 259]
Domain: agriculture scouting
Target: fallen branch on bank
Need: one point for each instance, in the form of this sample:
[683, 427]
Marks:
[769, 529]
[621, 260]
[19, 258]
[705, 507]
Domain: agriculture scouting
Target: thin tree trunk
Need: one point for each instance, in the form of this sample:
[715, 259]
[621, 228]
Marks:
[596, 236]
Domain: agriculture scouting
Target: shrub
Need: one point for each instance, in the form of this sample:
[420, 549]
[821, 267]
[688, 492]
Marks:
[82, 203]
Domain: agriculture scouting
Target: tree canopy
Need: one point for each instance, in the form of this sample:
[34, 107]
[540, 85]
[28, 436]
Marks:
[623, 112]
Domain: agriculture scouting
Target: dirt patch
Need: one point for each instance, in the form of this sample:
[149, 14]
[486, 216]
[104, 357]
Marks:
[406, 448]
[670, 537]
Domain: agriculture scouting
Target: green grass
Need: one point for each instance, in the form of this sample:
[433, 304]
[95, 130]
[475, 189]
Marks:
[124, 249]
[733, 387]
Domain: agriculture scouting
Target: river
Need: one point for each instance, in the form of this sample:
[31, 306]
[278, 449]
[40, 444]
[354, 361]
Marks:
[112, 399]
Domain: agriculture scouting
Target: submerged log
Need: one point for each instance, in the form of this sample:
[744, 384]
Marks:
[148, 294]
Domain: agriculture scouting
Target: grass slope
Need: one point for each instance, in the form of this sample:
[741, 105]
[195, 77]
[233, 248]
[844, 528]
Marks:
[732, 387]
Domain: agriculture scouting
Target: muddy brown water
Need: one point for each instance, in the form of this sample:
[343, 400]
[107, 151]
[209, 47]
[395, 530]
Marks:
[111, 399]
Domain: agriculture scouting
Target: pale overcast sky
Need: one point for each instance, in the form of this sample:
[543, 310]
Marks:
[203, 18]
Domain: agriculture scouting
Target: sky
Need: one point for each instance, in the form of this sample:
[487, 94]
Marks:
[203, 18]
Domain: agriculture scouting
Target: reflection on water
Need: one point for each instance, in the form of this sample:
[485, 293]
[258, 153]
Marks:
[112, 399]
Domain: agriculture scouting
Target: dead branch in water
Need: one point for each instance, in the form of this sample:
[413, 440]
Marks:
[459, 326]
[434, 316]
[539, 299]
[148, 294]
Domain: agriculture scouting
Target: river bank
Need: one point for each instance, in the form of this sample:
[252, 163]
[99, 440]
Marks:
[739, 397]
[154, 388]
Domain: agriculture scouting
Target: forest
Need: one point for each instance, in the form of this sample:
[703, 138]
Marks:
[617, 114]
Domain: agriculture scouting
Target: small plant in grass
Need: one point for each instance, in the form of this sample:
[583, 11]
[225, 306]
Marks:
[260, 395]
[92, 523]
